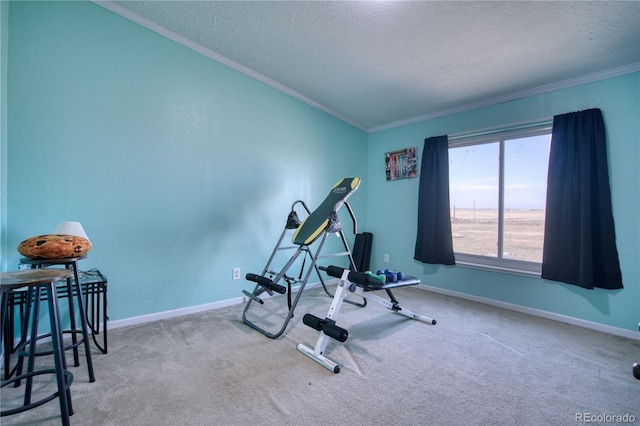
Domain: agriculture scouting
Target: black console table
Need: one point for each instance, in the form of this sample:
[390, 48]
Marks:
[94, 288]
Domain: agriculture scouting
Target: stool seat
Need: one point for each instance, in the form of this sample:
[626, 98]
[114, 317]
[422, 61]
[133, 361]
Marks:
[24, 278]
[38, 279]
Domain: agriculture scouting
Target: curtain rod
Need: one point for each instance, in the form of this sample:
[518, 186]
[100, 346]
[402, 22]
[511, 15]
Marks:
[548, 121]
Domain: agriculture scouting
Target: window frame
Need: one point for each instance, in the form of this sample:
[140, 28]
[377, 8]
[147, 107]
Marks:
[499, 263]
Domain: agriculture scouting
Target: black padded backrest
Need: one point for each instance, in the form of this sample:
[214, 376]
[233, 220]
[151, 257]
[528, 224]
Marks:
[362, 251]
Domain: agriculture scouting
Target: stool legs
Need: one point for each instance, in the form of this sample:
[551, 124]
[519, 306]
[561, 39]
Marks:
[32, 345]
[83, 320]
[7, 332]
[74, 290]
[72, 319]
[25, 330]
[64, 395]
[64, 378]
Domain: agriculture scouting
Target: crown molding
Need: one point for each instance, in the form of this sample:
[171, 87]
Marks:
[565, 84]
[159, 29]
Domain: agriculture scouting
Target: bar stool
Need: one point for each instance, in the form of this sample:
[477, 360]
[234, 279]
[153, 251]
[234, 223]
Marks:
[70, 264]
[36, 280]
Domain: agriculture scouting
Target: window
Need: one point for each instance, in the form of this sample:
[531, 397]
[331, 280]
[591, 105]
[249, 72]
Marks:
[497, 186]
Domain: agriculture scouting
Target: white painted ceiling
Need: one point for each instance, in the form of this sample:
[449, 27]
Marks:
[380, 64]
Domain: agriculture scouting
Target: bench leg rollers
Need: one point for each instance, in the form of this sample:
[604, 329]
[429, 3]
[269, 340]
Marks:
[327, 326]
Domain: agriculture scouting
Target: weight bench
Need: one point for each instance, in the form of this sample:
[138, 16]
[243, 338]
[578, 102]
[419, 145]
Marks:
[317, 226]
[352, 282]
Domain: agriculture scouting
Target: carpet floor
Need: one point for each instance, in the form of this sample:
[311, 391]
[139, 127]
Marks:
[479, 365]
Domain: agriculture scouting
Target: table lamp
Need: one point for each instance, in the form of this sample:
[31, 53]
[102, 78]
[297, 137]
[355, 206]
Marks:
[71, 228]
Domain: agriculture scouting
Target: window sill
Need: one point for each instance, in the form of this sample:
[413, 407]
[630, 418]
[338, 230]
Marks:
[499, 269]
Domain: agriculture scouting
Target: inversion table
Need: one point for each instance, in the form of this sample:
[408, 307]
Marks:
[317, 226]
[352, 282]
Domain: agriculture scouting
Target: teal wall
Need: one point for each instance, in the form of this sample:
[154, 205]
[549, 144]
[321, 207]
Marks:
[394, 223]
[181, 168]
[178, 167]
[4, 51]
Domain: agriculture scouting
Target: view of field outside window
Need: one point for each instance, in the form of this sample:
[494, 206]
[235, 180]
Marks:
[475, 192]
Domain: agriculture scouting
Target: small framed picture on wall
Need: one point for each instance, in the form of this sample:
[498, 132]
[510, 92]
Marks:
[401, 164]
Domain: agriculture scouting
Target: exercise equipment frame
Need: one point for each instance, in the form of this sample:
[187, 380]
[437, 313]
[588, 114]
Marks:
[317, 226]
[352, 282]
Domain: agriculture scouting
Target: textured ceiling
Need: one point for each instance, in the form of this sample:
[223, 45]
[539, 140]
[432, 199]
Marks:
[379, 64]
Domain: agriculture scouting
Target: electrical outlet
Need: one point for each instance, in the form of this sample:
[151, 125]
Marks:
[236, 273]
[386, 258]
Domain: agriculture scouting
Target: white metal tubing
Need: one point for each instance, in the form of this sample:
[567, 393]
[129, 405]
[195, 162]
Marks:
[320, 359]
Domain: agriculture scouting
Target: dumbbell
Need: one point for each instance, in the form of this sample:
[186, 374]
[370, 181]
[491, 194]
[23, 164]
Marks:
[379, 276]
[390, 275]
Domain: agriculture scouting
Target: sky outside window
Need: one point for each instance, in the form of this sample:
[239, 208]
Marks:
[525, 172]
[473, 174]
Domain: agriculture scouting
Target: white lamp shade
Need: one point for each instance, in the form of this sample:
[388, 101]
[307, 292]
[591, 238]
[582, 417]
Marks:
[71, 228]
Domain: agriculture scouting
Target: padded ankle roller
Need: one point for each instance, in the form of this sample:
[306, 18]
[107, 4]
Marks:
[327, 326]
[353, 276]
[267, 283]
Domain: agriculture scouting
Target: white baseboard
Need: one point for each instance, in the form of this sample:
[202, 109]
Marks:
[630, 334]
[195, 309]
[142, 319]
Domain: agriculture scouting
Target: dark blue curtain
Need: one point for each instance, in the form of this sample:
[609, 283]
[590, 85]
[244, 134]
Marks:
[579, 237]
[434, 243]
